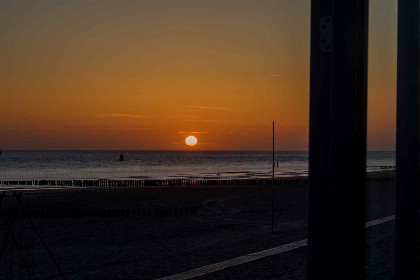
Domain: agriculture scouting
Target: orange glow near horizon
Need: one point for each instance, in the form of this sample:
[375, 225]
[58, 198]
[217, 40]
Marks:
[142, 75]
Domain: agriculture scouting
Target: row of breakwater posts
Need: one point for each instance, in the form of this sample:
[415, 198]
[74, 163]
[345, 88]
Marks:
[381, 166]
[143, 183]
[100, 212]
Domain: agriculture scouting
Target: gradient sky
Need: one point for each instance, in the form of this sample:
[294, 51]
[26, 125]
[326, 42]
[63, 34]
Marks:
[146, 74]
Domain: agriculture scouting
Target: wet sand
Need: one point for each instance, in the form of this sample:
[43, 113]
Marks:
[230, 221]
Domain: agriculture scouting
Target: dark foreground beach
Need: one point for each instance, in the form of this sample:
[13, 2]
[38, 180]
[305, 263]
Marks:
[154, 232]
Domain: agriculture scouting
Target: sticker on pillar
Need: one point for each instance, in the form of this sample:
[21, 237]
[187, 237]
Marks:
[326, 34]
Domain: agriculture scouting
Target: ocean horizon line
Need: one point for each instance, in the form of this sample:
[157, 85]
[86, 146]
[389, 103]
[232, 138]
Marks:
[184, 150]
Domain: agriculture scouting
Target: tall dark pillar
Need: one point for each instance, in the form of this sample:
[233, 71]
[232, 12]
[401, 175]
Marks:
[337, 139]
[408, 137]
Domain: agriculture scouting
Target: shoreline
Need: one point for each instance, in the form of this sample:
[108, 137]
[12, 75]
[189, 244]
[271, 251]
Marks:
[9, 185]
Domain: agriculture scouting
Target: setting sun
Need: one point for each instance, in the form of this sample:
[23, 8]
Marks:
[191, 141]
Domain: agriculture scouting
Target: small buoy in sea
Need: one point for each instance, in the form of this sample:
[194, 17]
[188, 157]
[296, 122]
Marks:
[121, 157]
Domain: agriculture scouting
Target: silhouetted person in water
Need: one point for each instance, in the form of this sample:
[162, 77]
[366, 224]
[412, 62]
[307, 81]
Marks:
[121, 157]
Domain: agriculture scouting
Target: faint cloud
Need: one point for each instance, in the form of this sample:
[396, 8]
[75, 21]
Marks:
[180, 117]
[275, 75]
[198, 120]
[128, 116]
[198, 144]
[134, 116]
[205, 144]
[191, 132]
[212, 108]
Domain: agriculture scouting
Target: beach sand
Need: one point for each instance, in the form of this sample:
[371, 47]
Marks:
[230, 221]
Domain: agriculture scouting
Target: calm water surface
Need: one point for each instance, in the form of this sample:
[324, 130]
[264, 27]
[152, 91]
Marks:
[33, 165]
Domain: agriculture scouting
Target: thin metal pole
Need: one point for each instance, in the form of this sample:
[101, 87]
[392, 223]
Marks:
[272, 187]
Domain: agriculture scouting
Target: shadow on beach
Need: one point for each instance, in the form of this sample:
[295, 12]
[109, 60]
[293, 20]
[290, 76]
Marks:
[153, 232]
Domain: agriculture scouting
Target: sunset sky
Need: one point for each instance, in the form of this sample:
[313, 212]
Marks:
[144, 75]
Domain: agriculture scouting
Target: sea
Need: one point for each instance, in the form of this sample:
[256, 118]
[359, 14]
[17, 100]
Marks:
[69, 165]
